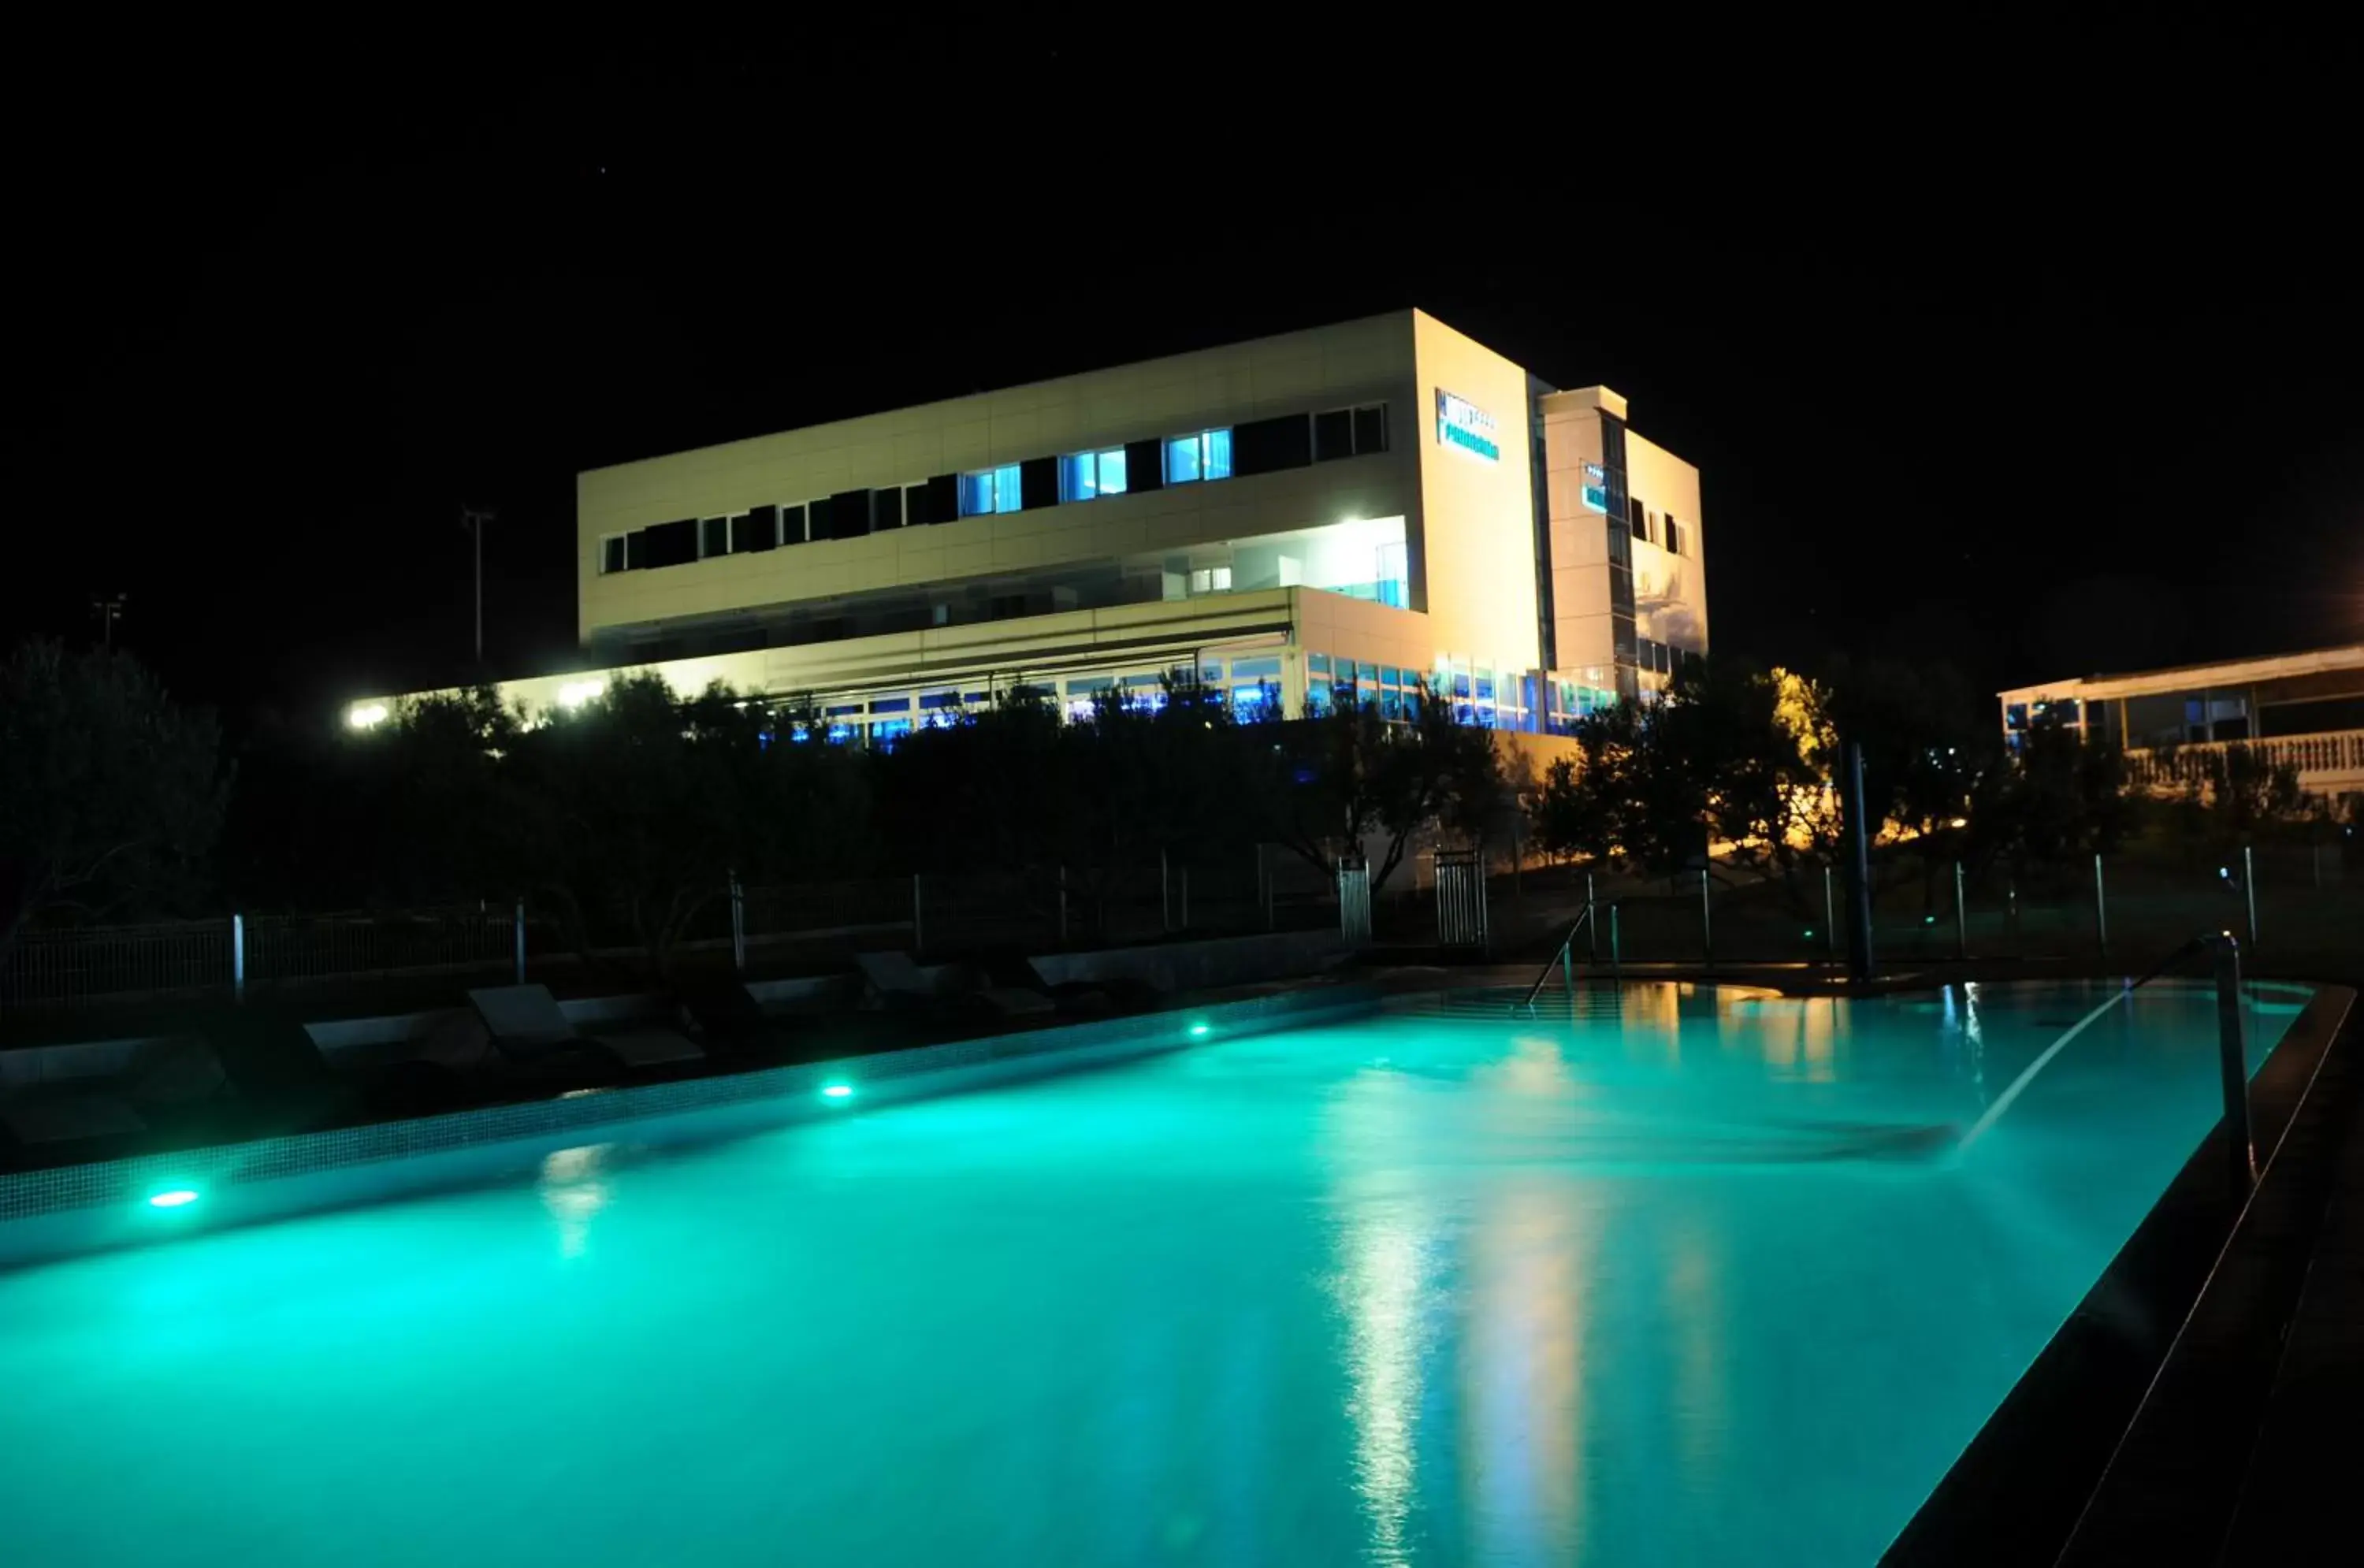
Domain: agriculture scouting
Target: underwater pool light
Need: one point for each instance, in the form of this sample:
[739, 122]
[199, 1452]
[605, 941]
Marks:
[1197, 1030]
[172, 1197]
[837, 1091]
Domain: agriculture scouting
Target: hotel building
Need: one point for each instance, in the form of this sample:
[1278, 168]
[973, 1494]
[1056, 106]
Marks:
[1383, 502]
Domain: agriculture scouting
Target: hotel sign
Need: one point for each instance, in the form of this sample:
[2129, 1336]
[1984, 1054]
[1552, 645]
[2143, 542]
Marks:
[1461, 423]
[1596, 487]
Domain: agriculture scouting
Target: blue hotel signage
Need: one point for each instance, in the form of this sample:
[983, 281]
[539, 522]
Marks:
[1461, 423]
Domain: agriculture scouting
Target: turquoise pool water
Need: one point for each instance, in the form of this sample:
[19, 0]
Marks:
[1696, 1281]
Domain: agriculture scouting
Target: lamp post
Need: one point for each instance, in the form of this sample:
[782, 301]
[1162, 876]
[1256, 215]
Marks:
[473, 519]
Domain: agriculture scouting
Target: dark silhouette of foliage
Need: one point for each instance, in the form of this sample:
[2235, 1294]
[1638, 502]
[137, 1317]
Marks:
[110, 794]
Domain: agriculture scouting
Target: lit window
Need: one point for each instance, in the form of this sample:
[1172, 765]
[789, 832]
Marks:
[1087, 474]
[990, 490]
[1206, 455]
[1218, 445]
[1182, 462]
[1211, 580]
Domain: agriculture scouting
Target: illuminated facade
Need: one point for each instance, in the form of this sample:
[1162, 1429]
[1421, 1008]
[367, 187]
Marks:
[1383, 502]
[2306, 710]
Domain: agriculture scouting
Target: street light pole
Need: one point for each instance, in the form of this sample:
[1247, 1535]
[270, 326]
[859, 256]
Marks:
[109, 610]
[474, 520]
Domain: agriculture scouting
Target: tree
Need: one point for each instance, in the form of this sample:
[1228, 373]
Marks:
[2062, 800]
[1348, 773]
[1718, 759]
[636, 808]
[1930, 749]
[110, 794]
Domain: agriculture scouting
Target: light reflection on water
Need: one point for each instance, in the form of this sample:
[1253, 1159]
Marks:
[574, 1188]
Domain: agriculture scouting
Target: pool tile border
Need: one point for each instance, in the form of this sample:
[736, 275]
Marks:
[119, 1183]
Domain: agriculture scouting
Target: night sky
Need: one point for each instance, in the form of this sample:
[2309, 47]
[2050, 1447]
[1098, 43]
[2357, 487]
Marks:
[2038, 354]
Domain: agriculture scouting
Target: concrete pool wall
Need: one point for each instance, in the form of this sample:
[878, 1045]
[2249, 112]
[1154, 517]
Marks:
[52, 1213]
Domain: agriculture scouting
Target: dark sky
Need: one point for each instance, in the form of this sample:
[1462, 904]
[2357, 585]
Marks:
[2037, 353]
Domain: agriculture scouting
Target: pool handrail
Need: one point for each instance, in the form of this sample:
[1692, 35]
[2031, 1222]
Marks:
[1564, 960]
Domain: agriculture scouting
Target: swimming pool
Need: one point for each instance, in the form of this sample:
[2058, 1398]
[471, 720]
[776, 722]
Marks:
[1676, 1278]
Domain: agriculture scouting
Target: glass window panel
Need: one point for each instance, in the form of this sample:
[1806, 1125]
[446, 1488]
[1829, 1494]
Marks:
[1371, 429]
[1182, 460]
[1075, 481]
[714, 536]
[611, 554]
[1006, 496]
[1217, 457]
[976, 493]
[1111, 472]
[1317, 663]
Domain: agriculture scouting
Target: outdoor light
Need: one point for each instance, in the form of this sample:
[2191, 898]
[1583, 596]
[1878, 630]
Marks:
[837, 1091]
[172, 1197]
[574, 694]
[360, 716]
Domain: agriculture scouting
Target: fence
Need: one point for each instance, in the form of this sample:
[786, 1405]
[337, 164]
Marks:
[1354, 902]
[1461, 898]
[2297, 907]
[1261, 888]
[196, 956]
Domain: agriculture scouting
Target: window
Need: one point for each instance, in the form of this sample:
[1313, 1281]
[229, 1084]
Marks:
[792, 524]
[886, 508]
[669, 544]
[713, 537]
[990, 490]
[756, 529]
[611, 553]
[920, 504]
[1211, 580]
[1350, 432]
[1267, 446]
[1206, 455]
[1636, 518]
[1674, 535]
[1087, 474]
[1334, 435]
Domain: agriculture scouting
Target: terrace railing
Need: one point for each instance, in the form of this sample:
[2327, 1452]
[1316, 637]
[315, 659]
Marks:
[2329, 761]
